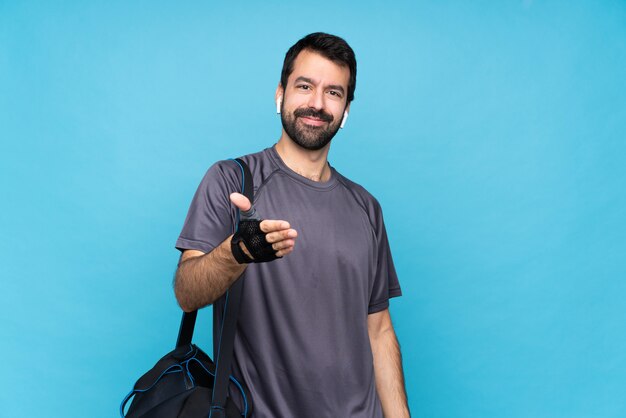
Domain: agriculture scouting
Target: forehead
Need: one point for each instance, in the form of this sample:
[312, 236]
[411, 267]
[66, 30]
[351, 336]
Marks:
[312, 65]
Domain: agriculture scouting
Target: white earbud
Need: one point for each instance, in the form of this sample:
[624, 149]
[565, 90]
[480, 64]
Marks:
[278, 103]
[343, 121]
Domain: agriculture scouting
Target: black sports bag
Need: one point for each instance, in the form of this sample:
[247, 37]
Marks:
[186, 383]
[181, 385]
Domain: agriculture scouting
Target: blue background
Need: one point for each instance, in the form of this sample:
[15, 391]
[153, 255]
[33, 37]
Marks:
[493, 134]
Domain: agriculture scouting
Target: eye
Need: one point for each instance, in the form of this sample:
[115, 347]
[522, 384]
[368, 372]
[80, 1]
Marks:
[303, 87]
[335, 93]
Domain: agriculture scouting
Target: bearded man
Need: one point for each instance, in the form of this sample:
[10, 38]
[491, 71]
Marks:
[314, 335]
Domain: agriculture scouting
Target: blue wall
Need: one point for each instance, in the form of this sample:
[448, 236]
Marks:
[493, 134]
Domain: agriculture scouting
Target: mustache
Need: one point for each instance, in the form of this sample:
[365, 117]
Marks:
[309, 112]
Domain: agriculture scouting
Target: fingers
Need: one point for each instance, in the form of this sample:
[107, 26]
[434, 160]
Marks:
[269, 225]
[283, 245]
[277, 231]
[280, 235]
[283, 241]
[240, 201]
[284, 234]
[284, 252]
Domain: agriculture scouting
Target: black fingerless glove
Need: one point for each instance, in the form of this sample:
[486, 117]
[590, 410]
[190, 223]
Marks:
[249, 232]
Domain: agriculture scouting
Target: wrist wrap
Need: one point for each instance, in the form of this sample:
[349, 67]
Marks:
[249, 232]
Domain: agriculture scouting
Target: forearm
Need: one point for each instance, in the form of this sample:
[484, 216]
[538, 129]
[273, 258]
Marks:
[200, 281]
[389, 376]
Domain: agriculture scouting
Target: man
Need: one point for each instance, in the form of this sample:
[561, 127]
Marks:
[314, 335]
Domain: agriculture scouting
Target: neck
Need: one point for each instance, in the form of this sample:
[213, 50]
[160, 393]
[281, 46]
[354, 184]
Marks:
[310, 164]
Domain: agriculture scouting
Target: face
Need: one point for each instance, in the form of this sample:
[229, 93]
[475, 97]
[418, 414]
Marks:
[314, 100]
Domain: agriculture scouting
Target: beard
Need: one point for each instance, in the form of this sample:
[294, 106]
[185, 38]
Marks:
[309, 137]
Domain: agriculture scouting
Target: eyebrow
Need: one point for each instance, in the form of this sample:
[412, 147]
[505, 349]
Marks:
[310, 81]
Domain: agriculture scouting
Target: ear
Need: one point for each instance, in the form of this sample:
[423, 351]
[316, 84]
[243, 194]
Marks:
[278, 97]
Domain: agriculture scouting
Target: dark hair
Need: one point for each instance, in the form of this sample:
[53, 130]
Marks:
[331, 47]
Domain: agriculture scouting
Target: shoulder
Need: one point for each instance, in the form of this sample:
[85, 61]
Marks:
[223, 171]
[363, 197]
[262, 165]
[227, 174]
[231, 171]
[256, 158]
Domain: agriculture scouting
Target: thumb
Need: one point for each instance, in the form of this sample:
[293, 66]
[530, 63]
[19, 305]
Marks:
[240, 201]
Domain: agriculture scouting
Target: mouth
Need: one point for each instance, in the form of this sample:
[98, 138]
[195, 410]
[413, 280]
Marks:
[309, 120]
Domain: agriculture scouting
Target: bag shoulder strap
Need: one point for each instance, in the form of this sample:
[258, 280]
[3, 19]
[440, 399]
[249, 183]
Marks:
[229, 324]
[188, 321]
[224, 354]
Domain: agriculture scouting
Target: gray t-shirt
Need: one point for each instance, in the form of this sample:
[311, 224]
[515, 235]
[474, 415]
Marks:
[302, 345]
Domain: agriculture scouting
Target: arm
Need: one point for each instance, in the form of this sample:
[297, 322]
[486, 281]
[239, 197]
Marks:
[202, 278]
[387, 365]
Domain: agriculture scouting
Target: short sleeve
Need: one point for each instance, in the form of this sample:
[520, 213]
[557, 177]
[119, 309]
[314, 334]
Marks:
[386, 284]
[211, 216]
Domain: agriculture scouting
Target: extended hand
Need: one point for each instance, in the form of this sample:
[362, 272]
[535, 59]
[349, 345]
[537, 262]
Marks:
[277, 232]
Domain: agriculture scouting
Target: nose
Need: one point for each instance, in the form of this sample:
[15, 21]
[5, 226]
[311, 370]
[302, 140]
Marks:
[316, 100]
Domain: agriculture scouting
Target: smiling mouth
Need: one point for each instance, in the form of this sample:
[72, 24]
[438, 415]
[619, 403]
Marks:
[312, 121]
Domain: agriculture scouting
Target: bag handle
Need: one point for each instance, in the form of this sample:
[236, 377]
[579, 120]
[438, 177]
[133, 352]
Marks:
[185, 332]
